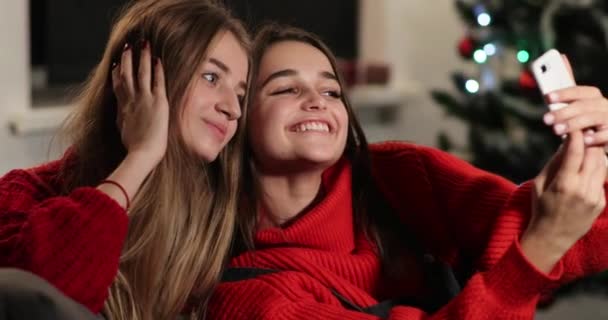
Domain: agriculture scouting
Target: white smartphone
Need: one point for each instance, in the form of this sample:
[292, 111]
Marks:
[551, 74]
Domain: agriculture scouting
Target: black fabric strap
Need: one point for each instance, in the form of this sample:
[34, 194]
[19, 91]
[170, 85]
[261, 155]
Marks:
[442, 281]
[439, 275]
[238, 274]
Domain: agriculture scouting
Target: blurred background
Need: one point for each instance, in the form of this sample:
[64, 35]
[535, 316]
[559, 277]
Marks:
[446, 73]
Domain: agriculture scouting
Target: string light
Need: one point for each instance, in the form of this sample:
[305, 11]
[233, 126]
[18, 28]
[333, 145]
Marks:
[523, 56]
[487, 78]
[489, 49]
[472, 86]
[480, 56]
[483, 18]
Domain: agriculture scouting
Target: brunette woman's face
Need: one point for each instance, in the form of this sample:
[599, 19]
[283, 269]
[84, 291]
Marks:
[297, 119]
[213, 100]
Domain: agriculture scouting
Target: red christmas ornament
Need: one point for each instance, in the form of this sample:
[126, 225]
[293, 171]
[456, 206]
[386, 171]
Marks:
[527, 81]
[466, 46]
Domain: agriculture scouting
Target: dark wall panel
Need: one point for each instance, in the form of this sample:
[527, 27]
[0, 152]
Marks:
[69, 36]
[334, 20]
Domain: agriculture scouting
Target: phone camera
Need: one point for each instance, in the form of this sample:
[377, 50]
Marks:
[544, 68]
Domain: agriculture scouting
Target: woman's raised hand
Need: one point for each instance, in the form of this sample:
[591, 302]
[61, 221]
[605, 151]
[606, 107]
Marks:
[568, 197]
[143, 108]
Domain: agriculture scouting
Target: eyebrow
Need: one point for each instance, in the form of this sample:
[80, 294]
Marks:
[225, 68]
[291, 72]
[220, 65]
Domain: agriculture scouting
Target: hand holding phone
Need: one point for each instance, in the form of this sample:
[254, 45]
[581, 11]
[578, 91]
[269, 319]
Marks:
[551, 74]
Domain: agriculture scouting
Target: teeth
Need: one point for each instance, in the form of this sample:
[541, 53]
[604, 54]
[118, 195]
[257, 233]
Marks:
[312, 126]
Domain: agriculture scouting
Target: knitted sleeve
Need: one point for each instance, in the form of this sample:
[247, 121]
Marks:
[72, 241]
[488, 213]
[468, 213]
[451, 206]
[590, 253]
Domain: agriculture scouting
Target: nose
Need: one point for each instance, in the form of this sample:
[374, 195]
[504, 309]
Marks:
[314, 102]
[229, 105]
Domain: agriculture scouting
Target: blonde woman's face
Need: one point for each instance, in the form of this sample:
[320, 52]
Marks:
[213, 101]
[297, 119]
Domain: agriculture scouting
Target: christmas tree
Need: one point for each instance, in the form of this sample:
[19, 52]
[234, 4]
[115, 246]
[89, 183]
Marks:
[497, 95]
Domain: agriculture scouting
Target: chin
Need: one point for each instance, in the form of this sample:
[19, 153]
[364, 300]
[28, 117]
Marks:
[209, 159]
[319, 158]
[207, 155]
[320, 153]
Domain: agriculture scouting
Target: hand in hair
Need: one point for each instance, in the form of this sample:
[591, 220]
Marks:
[569, 196]
[143, 108]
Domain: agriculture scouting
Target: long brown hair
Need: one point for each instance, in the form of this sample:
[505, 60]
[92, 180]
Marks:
[383, 227]
[182, 219]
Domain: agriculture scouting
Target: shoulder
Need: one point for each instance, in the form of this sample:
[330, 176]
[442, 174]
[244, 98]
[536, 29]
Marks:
[386, 148]
[406, 149]
[410, 154]
[389, 153]
[398, 169]
[414, 155]
[43, 177]
[401, 163]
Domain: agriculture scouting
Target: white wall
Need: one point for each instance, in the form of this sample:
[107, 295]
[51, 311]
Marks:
[418, 39]
[14, 55]
[23, 152]
[15, 88]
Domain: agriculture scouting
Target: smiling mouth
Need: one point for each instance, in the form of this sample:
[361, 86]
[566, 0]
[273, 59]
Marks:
[311, 126]
[219, 130]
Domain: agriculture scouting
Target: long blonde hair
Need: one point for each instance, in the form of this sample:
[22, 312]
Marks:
[181, 221]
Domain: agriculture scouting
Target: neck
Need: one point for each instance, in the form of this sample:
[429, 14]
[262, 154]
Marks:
[284, 197]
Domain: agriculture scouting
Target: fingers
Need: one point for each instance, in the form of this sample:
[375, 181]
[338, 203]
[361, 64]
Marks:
[116, 82]
[117, 87]
[574, 153]
[568, 178]
[126, 70]
[158, 88]
[597, 138]
[144, 72]
[593, 172]
[593, 160]
[123, 82]
[587, 108]
[581, 107]
[571, 94]
[580, 115]
[550, 169]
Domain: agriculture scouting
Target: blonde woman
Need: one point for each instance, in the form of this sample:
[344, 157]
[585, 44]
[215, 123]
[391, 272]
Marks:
[136, 219]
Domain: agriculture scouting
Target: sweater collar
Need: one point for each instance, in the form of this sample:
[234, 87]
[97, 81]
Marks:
[326, 226]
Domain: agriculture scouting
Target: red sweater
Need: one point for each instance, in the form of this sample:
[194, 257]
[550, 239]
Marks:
[457, 210]
[72, 241]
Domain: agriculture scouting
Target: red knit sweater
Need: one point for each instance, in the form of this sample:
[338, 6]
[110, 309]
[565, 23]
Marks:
[457, 210]
[72, 241]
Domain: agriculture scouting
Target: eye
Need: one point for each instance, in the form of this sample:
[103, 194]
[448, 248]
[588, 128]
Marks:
[333, 93]
[211, 77]
[241, 99]
[284, 91]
